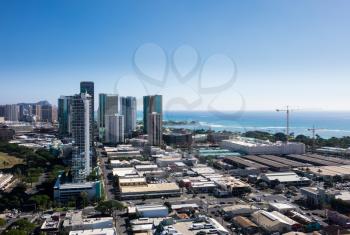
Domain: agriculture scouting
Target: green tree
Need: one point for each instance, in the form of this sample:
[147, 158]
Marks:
[280, 137]
[20, 227]
[2, 222]
[16, 232]
[42, 201]
[263, 185]
[85, 198]
[107, 207]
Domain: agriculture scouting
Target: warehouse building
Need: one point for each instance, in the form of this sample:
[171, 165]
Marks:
[332, 159]
[245, 163]
[308, 223]
[311, 160]
[274, 221]
[329, 172]
[257, 147]
[151, 211]
[178, 139]
[281, 207]
[246, 225]
[149, 191]
[285, 178]
[275, 166]
[285, 161]
[238, 209]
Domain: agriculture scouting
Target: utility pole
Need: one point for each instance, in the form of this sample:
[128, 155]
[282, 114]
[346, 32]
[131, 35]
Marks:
[287, 110]
[313, 130]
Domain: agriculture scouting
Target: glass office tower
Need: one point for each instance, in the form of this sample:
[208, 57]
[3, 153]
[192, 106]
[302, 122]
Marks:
[128, 109]
[151, 104]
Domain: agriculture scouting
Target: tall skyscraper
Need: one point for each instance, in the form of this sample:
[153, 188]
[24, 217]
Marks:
[46, 113]
[81, 106]
[152, 103]
[128, 110]
[64, 115]
[114, 129]
[11, 112]
[89, 87]
[2, 110]
[25, 112]
[38, 112]
[155, 124]
[54, 114]
[108, 105]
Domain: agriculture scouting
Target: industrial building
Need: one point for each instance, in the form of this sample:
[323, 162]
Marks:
[286, 178]
[328, 172]
[246, 225]
[273, 165]
[281, 207]
[331, 159]
[256, 146]
[239, 209]
[245, 163]
[285, 161]
[149, 190]
[123, 151]
[313, 196]
[308, 223]
[311, 160]
[178, 139]
[207, 226]
[274, 221]
[333, 151]
[151, 211]
[205, 153]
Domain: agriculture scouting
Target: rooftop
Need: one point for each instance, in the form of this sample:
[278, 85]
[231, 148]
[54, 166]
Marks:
[284, 177]
[150, 188]
[102, 231]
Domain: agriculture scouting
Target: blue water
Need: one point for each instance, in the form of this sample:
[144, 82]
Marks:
[335, 124]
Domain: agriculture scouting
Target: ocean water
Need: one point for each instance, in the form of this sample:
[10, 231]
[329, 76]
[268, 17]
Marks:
[331, 124]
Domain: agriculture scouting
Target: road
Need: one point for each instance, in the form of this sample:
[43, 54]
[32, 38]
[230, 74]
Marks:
[31, 217]
[109, 190]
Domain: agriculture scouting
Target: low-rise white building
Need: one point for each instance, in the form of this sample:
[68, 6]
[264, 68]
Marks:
[75, 221]
[100, 231]
[286, 178]
[239, 209]
[281, 207]
[64, 191]
[256, 146]
[273, 221]
[152, 211]
[5, 180]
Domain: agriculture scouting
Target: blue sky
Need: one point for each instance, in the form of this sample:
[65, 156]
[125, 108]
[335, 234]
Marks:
[285, 52]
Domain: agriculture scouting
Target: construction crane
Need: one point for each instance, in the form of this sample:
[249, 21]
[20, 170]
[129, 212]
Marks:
[314, 129]
[287, 111]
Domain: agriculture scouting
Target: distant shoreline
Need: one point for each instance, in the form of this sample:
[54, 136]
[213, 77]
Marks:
[333, 124]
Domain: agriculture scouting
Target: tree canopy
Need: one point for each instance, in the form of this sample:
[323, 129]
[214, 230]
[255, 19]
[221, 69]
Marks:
[107, 207]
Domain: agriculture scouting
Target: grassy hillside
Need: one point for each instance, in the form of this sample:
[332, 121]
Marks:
[7, 161]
